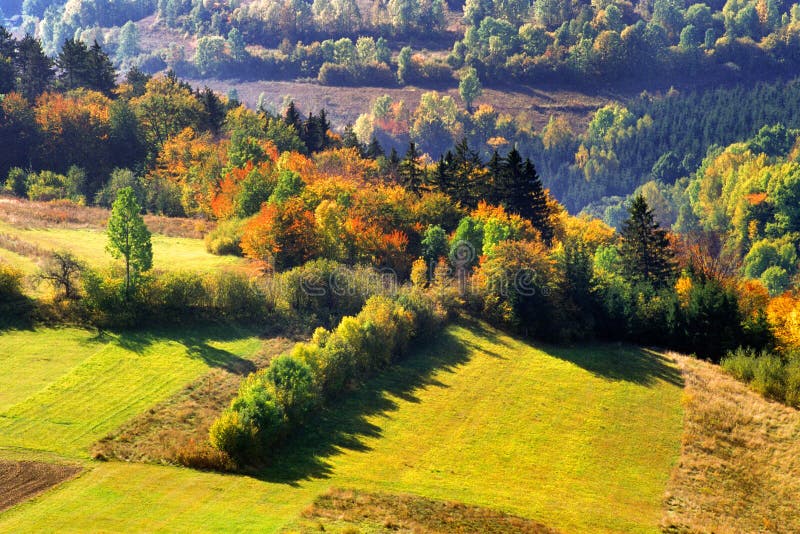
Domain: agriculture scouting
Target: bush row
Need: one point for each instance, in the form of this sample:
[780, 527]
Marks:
[172, 296]
[770, 375]
[274, 401]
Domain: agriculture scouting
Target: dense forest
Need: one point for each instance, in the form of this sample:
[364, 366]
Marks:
[528, 41]
[648, 44]
[473, 233]
[639, 198]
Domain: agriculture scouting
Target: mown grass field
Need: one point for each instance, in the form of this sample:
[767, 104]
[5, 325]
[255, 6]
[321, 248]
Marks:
[582, 440]
[62, 389]
[89, 244]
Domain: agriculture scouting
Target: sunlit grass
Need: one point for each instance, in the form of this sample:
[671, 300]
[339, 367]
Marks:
[62, 389]
[89, 245]
[582, 440]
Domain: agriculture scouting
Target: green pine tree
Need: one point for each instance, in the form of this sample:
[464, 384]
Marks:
[645, 248]
[410, 169]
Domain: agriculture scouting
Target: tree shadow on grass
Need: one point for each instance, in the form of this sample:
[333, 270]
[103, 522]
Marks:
[196, 340]
[344, 424]
[618, 361]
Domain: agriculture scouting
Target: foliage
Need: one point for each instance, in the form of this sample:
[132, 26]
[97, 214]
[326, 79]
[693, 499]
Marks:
[273, 402]
[129, 238]
[226, 237]
[10, 283]
[769, 374]
[645, 249]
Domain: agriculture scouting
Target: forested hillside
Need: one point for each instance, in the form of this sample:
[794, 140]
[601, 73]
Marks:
[253, 287]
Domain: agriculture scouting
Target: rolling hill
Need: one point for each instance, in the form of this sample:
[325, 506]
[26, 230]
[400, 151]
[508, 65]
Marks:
[579, 439]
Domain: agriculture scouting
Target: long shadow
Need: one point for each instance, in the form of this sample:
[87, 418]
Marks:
[195, 339]
[618, 361]
[344, 424]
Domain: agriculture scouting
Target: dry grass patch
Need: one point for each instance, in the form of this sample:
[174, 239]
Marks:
[176, 431]
[740, 459]
[19, 481]
[66, 214]
[408, 513]
[344, 104]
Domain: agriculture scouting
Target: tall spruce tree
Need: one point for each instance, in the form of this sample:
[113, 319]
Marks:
[645, 248]
[374, 149]
[469, 184]
[292, 118]
[443, 179]
[102, 76]
[410, 169]
[33, 68]
[214, 110]
[520, 191]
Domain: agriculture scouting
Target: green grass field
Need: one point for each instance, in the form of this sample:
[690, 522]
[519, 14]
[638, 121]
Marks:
[169, 253]
[63, 389]
[579, 439]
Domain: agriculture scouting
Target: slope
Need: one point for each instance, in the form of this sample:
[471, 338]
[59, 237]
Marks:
[580, 439]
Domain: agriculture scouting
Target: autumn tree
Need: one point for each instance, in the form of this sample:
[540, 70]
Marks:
[283, 235]
[469, 87]
[166, 108]
[128, 237]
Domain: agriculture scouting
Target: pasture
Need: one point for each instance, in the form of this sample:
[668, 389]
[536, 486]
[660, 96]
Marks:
[580, 439]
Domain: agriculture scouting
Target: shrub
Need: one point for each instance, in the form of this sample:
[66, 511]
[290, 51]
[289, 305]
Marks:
[10, 283]
[105, 299]
[168, 297]
[47, 185]
[175, 295]
[293, 386]
[235, 296]
[324, 291]
[228, 433]
[226, 237]
[16, 182]
[792, 392]
[770, 377]
[741, 364]
[272, 401]
[262, 416]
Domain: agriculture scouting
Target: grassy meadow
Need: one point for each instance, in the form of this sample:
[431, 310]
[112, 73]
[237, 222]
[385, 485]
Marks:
[581, 439]
[63, 389]
[89, 244]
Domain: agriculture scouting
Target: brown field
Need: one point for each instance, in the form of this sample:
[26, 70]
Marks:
[176, 431]
[19, 481]
[740, 459]
[65, 214]
[155, 36]
[345, 104]
[350, 509]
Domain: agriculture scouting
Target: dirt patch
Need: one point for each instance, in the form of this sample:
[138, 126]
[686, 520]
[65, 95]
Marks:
[409, 513]
[176, 431]
[740, 459]
[20, 481]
